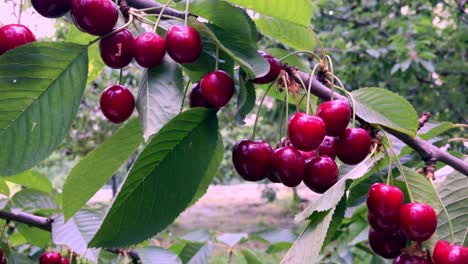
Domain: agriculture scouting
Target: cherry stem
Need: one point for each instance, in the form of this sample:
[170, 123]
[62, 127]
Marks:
[185, 95]
[217, 58]
[287, 105]
[281, 124]
[461, 125]
[353, 103]
[160, 15]
[309, 86]
[130, 20]
[389, 172]
[330, 65]
[3, 230]
[259, 109]
[120, 77]
[20, 12]
[445, 211]
[300, 52]
[322, 49]
[187, 4]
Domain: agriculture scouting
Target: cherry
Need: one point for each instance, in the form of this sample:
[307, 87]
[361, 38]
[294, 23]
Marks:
[52, 8]
[418, 221]
[96, 17]
[14, 35]
[308, 155]
[183, 44]
[407, 259]
[117, 103]
[305, 154]
[273, 73]
[217, 87]
[336, 115]
[273, 178]
[321, 174]
[386, 245]
[3, 260]
[288, 165]
[385, 225]
[353, 145]
[196, 98]
[50, 258]
[306, 132]
[149, 49]
[65, 261]
[328, 147]
[384, 201]
[117, 49]
[446, 253]
[252, 159]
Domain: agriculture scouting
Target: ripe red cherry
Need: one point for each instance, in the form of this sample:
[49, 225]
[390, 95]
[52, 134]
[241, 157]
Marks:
[407, 259]
[384, 224]
[273, 178]
[96, 17]
[65, 261]
[117, 103]
[328, 147]
[50, 258]
[305, 154]
[386, 245]
[418, 221]
[252, 159]
[353, 145]
[275, 69]
[384, 201]
[196, 98]
[288, 165]
[306, 132]
[321, 174]
[3, 260]
[149, 49]
[14, 35]
[217, 87]
[52, 8]
[183, 44]
[336, 115]
[308, 155]
[445, 253]
[117, 49]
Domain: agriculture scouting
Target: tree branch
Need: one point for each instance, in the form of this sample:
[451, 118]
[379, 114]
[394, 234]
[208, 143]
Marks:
[140, 4]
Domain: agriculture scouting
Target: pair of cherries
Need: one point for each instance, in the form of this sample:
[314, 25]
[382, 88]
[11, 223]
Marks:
[52, 257]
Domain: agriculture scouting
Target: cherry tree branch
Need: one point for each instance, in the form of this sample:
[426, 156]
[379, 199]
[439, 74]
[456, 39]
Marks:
[141, 4]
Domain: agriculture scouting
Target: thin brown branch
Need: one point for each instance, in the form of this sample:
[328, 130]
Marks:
[141, 4]
[423, 119]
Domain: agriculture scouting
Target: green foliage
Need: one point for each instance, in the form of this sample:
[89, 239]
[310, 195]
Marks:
[31, 179]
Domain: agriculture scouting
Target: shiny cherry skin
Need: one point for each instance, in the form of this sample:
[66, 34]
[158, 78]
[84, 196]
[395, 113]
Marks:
[306, 132]
[252, 159]
[336, 115]
[64, 261]
[328, 147]
[321, 174]
[196, 97]
[50, 258]
[52, 8]
[117, 103]
[95, 17]
[387, 224]
[418, 221]
[14, 35]
[273, 178]
[117, 49]
[273, 73]
[386, 245]
[353, 145]
[3, 260]
[385, 201]
[446, 253]
[149, 49]
[288, 165]
[407, 259]
[217, 87]
[183, 44]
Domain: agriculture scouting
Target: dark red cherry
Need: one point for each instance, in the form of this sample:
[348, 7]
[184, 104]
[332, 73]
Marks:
[196, 98]
[183, 44]
[306, 132]
[117, 103]
[65, 261]
[117, 49]
[418, 221]
[336, 115]
[384, 201]
[217, 87]
[149, 49]
[328, 147]
[407, 259]
[446, 253]
[308, 155]
[50, 258]
[273, 73]
[96, 17]
[273, 178]
[252, 159]
[386, 245]
[353, 145]
[384, 224]
[52, 8]
[284, 142]
[3, 260]
[321, 174]
[14, 35]
[288, 165]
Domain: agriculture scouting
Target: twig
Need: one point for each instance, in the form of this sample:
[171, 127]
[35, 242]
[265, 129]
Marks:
[423, 119]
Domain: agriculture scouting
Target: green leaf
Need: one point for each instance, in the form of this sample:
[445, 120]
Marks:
[35, 236]
[41, 85]
[436, 128]
[151, 255]
[31, 179]
[94, 170]
[298, 11]
[16, 258]
[278, 247]
[250, 257]
[77, 232]
[231, 239]
[159, 96]
[421, 189]
[245, 100]
[163, 180]
[293, 35]
[293, 60]
[380, 106]
[196, 252]
[30, 200]
[338, 216]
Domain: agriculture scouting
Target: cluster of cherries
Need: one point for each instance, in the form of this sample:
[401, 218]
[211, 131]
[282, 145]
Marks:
[52, 257]
[392, 222]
